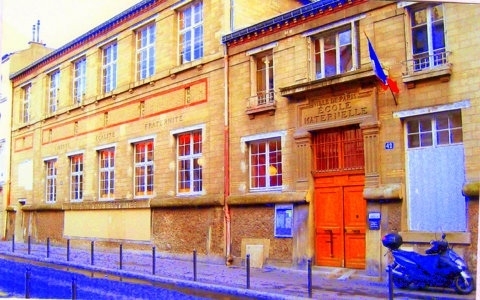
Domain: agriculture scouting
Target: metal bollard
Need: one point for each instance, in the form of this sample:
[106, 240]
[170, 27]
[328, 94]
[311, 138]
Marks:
[13, 243]
[68, 250]
[390, 283]
[121, 256]
[248, 270]
[28, 245]
[92, 245]
[74, 288]
[194, 265]
[48, 247]
[27, 283]
[153, 260]
[309, 278]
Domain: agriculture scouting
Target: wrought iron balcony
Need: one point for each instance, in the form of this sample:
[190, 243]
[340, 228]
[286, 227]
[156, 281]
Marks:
[424, 66]
[262, 101]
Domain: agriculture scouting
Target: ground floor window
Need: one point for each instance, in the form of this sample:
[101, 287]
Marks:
[189, 162]
[143, 160]
[106, 170]
[51, 181]
[266, 164]
[338, 149]
[435, 172]
[76, 177]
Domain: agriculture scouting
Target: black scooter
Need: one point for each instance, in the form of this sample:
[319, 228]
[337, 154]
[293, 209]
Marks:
[440, 267]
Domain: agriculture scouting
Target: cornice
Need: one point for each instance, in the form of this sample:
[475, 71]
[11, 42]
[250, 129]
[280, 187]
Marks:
[293, 18]
[82, 40]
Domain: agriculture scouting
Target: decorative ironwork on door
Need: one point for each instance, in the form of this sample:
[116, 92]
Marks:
[338, 150]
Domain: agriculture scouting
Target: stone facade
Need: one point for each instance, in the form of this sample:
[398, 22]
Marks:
[305, 106]
[182, 95]
[254, 96]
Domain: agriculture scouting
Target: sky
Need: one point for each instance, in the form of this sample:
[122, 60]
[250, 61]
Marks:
[61, 21]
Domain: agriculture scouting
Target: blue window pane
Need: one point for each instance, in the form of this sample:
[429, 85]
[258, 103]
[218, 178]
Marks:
[438, 36]
[420, 40]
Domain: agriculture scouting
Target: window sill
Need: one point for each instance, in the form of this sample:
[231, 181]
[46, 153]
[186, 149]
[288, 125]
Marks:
[365, 73]
[270, 108]
[267, 198]
[198, 64]
[426, 237]
[443, 73]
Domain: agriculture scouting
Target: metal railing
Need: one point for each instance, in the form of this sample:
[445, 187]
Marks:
[425, 62]
[261, 99]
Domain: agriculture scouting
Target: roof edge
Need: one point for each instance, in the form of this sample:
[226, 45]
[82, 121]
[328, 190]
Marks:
[102, 28]
[317, 7]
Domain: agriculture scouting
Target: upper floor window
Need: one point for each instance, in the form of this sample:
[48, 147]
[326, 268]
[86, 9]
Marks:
[25, 108]
[109, 67]
[106, 170]
[435, 130]
[76, 177]
[428, 36]
[189, 161]
[54, 92]
[266, 164]
[51, 181]
[334, 52]
[264, 77]
[191, 32]
[143, 163]
[79, 80]
[146, 51]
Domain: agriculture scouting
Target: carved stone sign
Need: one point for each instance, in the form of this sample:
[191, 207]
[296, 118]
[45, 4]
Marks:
[334, 109]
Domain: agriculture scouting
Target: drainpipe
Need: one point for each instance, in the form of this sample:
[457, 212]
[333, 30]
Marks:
[226, 157]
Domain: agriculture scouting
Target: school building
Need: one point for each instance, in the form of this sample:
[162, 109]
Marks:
[326, 158]
[232, 128]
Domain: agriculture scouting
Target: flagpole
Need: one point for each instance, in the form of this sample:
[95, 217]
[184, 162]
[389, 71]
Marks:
[393, 95]
[377, 62]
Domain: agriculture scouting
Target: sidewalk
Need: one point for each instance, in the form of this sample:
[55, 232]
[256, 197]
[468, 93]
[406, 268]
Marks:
[266, 283]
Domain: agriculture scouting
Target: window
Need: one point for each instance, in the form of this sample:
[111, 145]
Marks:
[264, 78]
[435, 165]
[428, 36]
[191, 33]
[79, 80]
[189, 157]
[25, 109]
[53, 99]
[106, 173]
[333, 52]
[143, 161]
[339, 149]
[266, 164]
[146, 52]
[76, 177]
[435, 130]
[109, 67]
[51, 181]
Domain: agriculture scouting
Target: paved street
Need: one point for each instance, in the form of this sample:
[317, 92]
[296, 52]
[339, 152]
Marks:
[266, 283]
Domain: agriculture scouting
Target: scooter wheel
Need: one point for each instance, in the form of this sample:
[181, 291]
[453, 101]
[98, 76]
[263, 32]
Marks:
[463, 286]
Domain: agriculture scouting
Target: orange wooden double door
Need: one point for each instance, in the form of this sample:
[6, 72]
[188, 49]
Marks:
[340, 221]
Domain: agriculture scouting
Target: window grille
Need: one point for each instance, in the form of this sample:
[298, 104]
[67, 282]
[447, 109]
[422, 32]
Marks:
[338, 150]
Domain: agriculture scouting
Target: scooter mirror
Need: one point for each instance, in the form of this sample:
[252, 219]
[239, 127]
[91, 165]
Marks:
[443, 236]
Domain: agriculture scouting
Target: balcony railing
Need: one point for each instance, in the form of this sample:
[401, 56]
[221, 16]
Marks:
[424, 66]
[424, 62]
[262, 101]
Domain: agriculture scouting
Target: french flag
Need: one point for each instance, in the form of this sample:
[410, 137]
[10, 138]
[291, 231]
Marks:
[377, 68]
